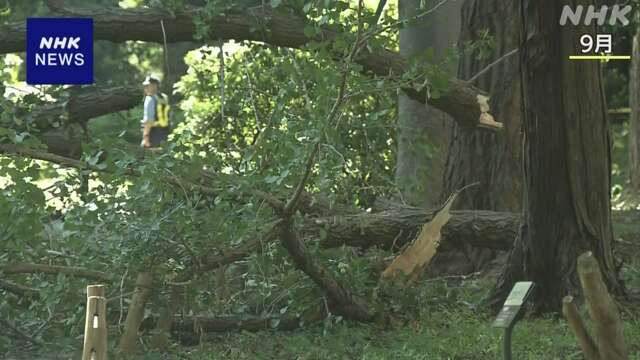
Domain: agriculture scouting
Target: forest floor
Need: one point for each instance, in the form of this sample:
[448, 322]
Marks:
[449, 326]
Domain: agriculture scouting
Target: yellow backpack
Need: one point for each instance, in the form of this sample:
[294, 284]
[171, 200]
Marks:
[162, 110]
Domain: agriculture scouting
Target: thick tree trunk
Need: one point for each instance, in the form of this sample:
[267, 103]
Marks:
[634, 120]
[66, 139]
[423, 131]
[567, 161]
[494, 160]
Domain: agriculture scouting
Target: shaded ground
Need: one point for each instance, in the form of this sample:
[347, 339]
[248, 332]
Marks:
[448, 326]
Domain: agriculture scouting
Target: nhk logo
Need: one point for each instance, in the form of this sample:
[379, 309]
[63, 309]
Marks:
[59, 51]
[617, 15]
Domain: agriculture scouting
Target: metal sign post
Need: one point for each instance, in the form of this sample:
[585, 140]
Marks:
[508, 316]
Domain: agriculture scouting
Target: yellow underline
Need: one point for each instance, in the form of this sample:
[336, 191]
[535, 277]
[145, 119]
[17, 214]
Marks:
[599, 57]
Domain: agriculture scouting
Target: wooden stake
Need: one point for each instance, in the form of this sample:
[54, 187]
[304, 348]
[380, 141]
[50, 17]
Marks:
[95, 328]
[570, 312]
[602, 310]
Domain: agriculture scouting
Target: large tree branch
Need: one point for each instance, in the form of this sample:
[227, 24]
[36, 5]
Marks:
[182, 183]
[397, 227]
[465, 103]
[18, 289]
[89, 103]
[60, 123]
[489, 229]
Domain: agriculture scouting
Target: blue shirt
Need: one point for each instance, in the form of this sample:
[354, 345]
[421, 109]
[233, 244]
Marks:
[149, 109]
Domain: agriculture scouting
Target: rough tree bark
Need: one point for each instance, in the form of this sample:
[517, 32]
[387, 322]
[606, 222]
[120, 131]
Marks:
[567, 161]
[65, 139]
[423, 131]
[479, 156]
[392, 229]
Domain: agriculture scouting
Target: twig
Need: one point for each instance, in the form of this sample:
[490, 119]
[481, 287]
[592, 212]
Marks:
[378, 13]
[68, 162]
[19, 289]
[122, 295]
[289, 208]
[448, 277]
[221, 79]
[166, 51]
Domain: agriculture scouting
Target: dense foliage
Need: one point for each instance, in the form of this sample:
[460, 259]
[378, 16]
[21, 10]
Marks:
[246, 122]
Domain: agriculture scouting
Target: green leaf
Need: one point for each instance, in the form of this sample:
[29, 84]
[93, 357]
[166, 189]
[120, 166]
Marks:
[6, 11]
[310, 31]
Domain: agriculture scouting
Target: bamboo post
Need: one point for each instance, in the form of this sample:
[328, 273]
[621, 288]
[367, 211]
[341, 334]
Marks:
[95, 327]
[602, 310]
[129, 337]
[608, 340]
[570, 312]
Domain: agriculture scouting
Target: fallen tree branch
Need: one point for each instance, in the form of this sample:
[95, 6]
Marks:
[409, 265]
[89, 103]
[464, 102]
[170, 178]
[20, 333]
[61, 124]
[18, 289]
[342, 301]
[392, 229]
[68, 162]
[229, 256]
[293, 203]
[24, 268]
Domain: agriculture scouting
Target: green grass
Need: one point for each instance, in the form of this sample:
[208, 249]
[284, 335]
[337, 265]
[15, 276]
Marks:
[449, 333]
[453, 332]
[447, 326]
